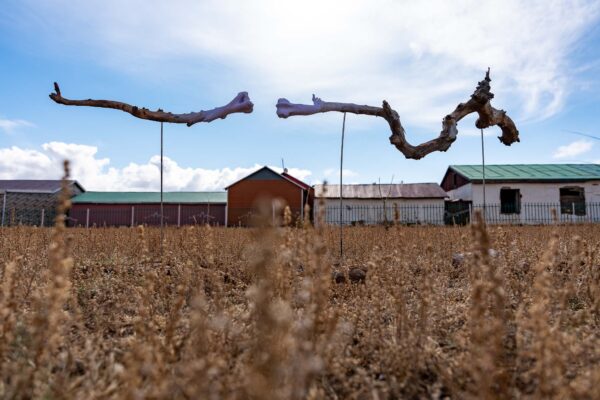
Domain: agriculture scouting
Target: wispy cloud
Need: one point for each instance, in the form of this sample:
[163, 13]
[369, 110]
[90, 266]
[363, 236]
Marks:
[10, 125]
[335, 173]
[96, 173]
[573, 149]
[422, 58]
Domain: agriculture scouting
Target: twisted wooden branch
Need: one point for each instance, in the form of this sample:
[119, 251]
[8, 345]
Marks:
[479, 103]
[240, 104]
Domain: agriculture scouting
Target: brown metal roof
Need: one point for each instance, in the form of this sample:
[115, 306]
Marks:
[32, 185]
[377, 191]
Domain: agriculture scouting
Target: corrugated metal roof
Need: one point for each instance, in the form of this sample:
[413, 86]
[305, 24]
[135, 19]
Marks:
[377, 191]
[531, 172]
[150, 197]
[33, 185]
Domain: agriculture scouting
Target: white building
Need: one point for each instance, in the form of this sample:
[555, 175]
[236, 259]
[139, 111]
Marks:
[412, 203]
[527, 193]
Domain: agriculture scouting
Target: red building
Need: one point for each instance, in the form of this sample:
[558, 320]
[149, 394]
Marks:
[143, 208]
[270, 189]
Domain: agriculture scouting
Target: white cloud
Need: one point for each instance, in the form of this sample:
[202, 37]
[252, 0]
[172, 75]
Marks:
[96, 173]
[9, 125]
[573, 149]
[335, 173]
[422, 57]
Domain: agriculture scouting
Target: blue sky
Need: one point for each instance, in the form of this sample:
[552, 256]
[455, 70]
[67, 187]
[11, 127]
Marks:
[189, 55]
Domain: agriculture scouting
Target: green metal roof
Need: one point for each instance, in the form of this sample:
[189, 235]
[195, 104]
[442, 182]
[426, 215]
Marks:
[531, 172]
[150, 197]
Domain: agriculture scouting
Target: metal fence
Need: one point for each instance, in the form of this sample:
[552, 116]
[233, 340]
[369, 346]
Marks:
[524, 214]
[378, 214]
[147, 214]
[238, 216]
[540, 214]
[27, 216]
[129, 216]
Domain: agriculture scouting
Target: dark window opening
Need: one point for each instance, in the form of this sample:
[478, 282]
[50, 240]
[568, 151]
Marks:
[572, 200]
[510, 201]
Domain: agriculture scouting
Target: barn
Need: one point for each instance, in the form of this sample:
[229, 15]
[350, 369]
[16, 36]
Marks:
[143, 208]
[526, 193]
[268, 187]
[366, 204]
[31, 202]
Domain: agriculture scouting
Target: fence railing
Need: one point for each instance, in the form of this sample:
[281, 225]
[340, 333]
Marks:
[540, 213]
[524, 214]
[378, 214]
[27, 216]
[239, 216]
[147, 214]
[174, 215]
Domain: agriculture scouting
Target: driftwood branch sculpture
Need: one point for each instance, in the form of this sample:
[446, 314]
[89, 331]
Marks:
[240, 104]
[479, 103]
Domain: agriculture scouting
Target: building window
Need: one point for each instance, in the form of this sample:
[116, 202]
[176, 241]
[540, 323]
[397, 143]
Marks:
[572, 199]
[510, 201]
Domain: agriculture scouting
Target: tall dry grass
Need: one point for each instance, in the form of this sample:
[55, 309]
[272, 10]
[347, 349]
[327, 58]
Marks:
[255, 314]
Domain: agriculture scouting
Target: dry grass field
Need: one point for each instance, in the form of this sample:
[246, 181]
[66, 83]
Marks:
[255, 313]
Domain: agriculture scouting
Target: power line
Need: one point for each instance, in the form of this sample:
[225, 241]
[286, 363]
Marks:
[582, 134]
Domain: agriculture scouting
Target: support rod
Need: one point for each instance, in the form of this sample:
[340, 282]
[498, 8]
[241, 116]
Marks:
[483, 174]
[161, 191]
[341, 192]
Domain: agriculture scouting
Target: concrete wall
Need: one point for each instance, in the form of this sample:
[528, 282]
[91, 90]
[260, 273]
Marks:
[537, 201]
[371, 211]
[530, 192]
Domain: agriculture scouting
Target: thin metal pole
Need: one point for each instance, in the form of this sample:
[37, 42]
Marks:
[3, 208]
[483, 173]
[161, 191]
[341, 191]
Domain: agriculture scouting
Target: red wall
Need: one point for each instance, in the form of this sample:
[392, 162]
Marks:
[243, 196]
[146, 214]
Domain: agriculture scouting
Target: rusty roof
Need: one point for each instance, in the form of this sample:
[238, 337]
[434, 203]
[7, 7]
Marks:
[377, 191]
[33, 185]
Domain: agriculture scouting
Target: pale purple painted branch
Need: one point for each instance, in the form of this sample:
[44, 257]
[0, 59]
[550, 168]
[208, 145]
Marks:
[240, 104]
[478, 103]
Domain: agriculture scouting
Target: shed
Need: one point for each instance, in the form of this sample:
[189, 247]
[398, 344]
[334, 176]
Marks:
[143, 208]
[526, 193]
[410, 203]
[31, 201]
[268, 187]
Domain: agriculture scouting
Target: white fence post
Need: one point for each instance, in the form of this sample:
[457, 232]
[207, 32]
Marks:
[87, 218]
[132, 216]
[470, 213]
[3, 208]
[179, 215]
[42, 219]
